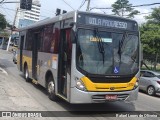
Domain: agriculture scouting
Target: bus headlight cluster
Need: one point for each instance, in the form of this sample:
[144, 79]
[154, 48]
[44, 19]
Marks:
[80, 85]
[136, 84]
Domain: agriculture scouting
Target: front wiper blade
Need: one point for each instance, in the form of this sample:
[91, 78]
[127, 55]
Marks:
[100, 43]
[121, 43]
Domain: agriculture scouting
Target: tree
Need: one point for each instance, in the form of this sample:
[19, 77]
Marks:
[150, 38]
[154, 17]
[5, 34]
[9, 25]
[3, 22]
[123, 8]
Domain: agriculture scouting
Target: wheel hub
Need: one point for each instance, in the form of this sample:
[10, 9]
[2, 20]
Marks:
[150, 90]
[50, 87]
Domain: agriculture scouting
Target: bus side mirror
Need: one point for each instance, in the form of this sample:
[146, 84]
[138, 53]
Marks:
[73, 36]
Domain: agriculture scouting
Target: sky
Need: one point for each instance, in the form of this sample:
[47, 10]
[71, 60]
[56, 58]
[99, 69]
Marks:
[48, 7]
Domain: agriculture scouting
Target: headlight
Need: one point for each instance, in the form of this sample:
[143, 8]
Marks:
[80, 85]
[136, 84]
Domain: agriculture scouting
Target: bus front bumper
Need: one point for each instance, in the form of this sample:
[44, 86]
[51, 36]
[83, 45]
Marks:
[78, 96]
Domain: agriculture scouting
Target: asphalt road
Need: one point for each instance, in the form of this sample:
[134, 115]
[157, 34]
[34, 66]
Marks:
[24, 96]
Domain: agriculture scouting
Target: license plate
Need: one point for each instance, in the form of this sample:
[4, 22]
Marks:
[111, 97]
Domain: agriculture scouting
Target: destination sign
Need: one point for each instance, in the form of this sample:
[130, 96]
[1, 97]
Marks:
[106, 21]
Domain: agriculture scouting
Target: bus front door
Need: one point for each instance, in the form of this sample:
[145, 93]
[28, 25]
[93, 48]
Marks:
[21, 51]
[64, 66]
[34, 56]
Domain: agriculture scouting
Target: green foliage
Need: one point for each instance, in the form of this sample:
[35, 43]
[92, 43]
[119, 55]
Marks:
[4, 34]
[123, 8]
[150, 37]
[155, 16]
[3, 22]
[9, 25]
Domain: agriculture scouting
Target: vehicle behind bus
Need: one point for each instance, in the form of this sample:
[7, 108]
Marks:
[82, 57]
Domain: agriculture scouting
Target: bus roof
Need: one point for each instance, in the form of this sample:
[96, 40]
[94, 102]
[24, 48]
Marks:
[68, 15]
[50, 20]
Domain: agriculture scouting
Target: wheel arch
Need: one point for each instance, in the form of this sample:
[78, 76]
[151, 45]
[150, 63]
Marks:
[150, 86]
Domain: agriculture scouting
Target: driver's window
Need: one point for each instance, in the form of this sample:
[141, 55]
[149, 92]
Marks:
[131, 45]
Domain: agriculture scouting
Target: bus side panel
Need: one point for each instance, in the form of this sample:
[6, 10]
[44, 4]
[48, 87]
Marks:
[46, 62]
[27, 58]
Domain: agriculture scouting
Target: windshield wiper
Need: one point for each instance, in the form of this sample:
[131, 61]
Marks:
[121, 44]
[99, 43]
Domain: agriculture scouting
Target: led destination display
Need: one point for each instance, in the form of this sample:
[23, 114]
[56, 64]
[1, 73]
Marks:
[107, 21]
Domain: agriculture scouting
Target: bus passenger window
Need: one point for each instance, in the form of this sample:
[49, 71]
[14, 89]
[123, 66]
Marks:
[28, 44]
[48, 39]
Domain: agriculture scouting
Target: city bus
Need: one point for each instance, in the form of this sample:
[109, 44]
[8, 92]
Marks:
[82, 57]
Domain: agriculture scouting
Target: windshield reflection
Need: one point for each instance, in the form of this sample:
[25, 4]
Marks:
[91, 60]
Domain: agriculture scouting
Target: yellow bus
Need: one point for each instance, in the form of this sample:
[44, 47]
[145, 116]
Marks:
[82, 57]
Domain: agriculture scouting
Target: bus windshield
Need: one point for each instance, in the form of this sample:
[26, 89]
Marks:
[107, 53]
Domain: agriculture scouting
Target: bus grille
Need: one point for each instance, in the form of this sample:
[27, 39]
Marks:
[110, 80]
[101, 98]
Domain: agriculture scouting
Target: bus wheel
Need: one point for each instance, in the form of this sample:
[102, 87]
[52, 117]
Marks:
[26, 74]
[51, 89]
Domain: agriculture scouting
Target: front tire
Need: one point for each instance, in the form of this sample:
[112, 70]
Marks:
[51, 89]
[151, 90]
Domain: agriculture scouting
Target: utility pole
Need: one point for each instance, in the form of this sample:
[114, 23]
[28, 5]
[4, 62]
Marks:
[12, 29]
[15, 17]
[88, 5]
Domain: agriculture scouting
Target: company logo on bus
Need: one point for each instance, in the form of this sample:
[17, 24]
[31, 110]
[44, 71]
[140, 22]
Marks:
[112, 88]
[112, 76]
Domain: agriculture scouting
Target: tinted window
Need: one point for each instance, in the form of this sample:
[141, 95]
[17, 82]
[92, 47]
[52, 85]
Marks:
[149, 74]
[142, 73]
[158, 76]
[39, 33]
[56, 36]
[48, 39]
[29, 41]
